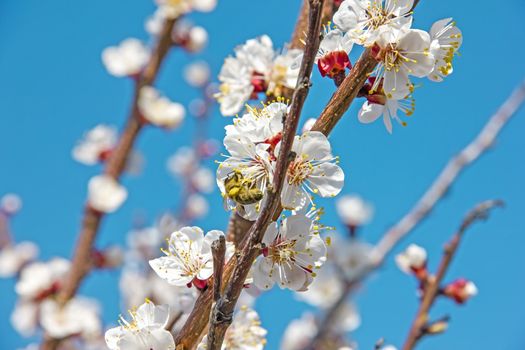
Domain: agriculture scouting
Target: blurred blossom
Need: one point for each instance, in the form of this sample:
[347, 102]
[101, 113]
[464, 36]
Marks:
[159, 110]
[105, 194]
[145, 241]
[197, 74]
[196, 206]
[39, 279]
[108, 258]
[79, 316]
[167, 224]
[299, 333]
[173, 9]
[135, 163]
[325, 290]
[203, 180]
[153, 24]
[208, 148]
[190, 37]
[307, 126]
[24, 318]
[352, 256]
[347, 319]
[126, 59]
[412, 259]
[14, 257]
[10, 203]
[353, 210]
[145, 330]
[182, 162]
[245, 332]
[96, 145]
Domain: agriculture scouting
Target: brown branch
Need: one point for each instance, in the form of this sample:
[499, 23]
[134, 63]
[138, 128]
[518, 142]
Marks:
[345, 94]
[239, 267]
[432, 287]
[114, 168]
[216, 318]
[301, 26]
[438, 188]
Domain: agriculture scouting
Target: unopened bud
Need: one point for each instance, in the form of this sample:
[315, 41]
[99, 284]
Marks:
[460, 290]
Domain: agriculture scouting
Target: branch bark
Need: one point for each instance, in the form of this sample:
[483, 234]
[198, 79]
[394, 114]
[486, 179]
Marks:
[114, 168]
[480, 212]
[216, 319]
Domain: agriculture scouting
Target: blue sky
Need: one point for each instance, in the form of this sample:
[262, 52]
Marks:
[54, 87]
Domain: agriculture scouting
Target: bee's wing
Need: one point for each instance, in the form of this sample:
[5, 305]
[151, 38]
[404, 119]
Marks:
[227, 203]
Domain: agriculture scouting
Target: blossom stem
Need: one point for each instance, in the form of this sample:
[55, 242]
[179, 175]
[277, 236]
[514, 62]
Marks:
[114, 167]
[431, 291]
[238, 268]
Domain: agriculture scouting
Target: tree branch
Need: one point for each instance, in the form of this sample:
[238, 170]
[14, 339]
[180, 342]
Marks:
[437, 189]
[217, 320]
[114, 168]
[432, 287]
[240, 267]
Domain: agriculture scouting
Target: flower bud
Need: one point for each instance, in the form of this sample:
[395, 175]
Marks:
[413, 261]
[460, 290]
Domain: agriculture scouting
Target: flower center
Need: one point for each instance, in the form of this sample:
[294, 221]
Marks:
[298, 171]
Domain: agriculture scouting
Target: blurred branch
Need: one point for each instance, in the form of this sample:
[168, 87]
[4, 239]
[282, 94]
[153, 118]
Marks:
[301, 26]
[432, 286]
[241, 265]
[449, 174]
[114, 168]
[437, 189]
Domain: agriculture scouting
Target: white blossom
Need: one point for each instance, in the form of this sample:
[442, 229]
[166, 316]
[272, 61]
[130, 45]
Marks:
[14, 257]
[404, 53]
[159, 110]
[245, 333]
[105, 194]
[126, 59]
[95, 145]
[10, 204]
[256, 68]
[308, 124]
[366, 20]
[388, 109]
[197, 74]
[313, 170]
[446, 40]
[41, 278]
[353, 210]
[146, 330]
[414, 257]
[188, 256]
[78, 316]
[293, 250]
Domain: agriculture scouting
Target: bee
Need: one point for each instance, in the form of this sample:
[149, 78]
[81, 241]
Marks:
[241, 190]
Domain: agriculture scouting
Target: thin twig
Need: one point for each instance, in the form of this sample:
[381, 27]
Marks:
[436, 191]
[431, 291]
[114, 168]
[189, 335]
